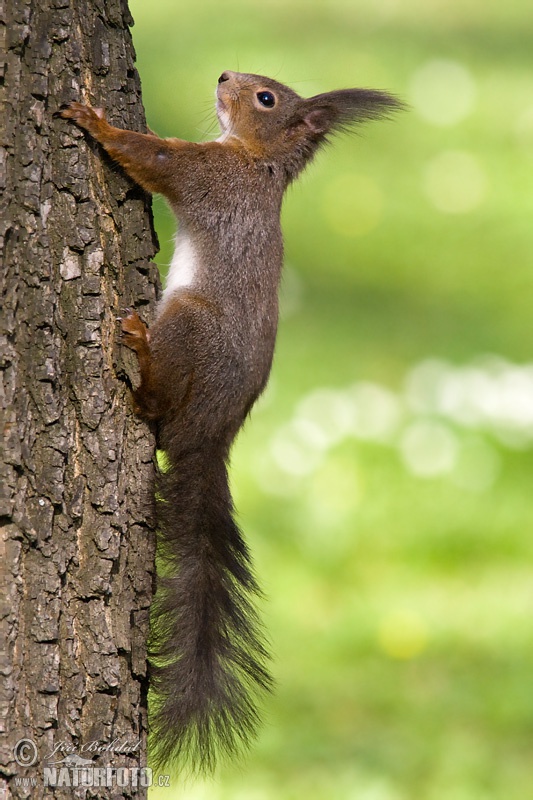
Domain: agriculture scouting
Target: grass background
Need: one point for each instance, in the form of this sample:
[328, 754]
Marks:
[384, 481]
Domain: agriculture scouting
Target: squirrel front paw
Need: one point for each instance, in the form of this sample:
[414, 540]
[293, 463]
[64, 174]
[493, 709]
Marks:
[85, 116]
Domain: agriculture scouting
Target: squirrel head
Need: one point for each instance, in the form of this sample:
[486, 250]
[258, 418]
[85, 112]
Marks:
[276, 124]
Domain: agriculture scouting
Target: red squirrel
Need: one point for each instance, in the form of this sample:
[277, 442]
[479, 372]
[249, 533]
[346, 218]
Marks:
[203, 364]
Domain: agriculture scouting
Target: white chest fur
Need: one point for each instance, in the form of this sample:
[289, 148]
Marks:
[183, 267]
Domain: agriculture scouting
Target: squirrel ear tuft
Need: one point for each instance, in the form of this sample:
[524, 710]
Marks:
[331, 111]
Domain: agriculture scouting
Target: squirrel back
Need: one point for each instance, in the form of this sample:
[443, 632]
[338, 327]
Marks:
[203, 364]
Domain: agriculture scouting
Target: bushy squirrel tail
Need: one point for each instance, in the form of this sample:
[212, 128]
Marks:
[207, 651]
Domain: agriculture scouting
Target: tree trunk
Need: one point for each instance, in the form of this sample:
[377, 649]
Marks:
[77, 469]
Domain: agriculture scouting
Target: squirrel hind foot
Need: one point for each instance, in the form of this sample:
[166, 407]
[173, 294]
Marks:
[135, 334]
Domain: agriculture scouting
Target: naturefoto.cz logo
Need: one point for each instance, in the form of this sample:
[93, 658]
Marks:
[64, 767]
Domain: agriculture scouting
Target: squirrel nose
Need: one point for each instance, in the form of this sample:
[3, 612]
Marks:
[224, 77]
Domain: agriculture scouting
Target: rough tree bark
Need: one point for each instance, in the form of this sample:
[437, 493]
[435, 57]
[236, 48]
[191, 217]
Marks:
[77, 467]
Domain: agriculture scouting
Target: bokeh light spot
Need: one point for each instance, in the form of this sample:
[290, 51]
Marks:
[443, 92]
[455, 182]
[378, 411]
[329, 411]
[429, 448]
[294, 452]
[402, 635]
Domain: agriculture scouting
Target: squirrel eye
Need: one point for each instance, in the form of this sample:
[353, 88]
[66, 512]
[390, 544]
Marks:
[266, 99]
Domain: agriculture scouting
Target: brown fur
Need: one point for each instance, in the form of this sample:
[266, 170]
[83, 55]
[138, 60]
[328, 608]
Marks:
[205, 362]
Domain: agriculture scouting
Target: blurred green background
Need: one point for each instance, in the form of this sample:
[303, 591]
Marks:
[384, 480]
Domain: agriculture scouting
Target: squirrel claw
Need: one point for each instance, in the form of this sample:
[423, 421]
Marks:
[85, 116]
